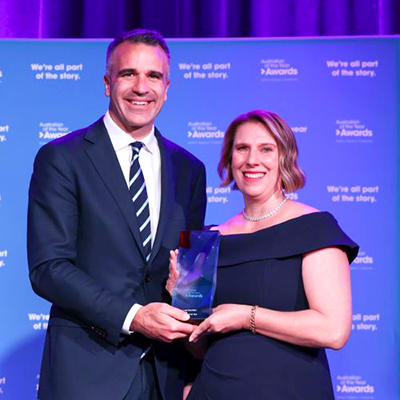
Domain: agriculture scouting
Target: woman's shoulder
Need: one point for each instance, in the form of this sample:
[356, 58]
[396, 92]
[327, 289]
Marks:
[314, 229]
[303, 216]
[296, 209]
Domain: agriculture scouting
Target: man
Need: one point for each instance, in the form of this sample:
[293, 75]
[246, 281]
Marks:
[100, 257]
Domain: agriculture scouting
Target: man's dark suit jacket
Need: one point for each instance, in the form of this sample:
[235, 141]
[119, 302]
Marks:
[85, 257]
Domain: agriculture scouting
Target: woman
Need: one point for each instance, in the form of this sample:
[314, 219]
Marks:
[283, 287]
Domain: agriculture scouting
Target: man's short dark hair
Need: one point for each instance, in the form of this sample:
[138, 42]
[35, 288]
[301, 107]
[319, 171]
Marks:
[137, 36]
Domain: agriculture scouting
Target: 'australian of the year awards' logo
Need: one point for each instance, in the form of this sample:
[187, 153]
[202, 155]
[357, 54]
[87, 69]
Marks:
[4, 129]
[298, 129]
[363, 261]
[204, 132]
[277, 69]
[348, 385]
[52, 130]
[352, 130]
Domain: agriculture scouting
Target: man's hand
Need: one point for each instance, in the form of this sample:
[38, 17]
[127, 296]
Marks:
[162, 322]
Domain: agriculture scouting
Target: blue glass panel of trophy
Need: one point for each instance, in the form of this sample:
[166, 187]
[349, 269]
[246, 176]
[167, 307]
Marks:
[197, 266]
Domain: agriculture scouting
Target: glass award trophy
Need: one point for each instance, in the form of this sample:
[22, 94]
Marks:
[197, 266]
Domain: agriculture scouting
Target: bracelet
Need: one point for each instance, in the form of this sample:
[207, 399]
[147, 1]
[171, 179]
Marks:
[253, 319]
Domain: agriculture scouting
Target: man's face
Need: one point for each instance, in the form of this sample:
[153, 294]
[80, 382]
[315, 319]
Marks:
[137, 84]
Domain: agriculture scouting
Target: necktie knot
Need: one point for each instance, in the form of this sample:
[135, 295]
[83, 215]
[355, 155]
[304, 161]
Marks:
[136, 146]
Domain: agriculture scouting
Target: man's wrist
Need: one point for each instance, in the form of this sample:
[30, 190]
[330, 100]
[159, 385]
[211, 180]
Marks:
[126, 327]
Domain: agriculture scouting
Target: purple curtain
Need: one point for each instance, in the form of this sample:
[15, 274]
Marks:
[198, 18]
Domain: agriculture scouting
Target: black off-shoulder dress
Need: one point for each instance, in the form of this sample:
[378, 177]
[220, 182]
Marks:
[264, 268]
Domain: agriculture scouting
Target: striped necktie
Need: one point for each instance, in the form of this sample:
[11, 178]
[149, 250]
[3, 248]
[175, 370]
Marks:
[137, 188]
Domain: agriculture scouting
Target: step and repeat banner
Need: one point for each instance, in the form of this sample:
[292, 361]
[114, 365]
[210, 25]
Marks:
[340, 97]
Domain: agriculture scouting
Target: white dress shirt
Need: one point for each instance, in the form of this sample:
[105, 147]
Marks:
[150, 164]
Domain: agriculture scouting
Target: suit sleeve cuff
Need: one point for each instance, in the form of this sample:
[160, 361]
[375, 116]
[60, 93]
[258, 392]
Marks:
[129, 318]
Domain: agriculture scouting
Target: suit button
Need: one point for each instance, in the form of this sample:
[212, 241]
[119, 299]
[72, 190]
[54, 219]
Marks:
[147, 278]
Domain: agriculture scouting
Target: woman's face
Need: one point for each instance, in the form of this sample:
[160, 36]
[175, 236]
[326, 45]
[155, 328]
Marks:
[255, 162]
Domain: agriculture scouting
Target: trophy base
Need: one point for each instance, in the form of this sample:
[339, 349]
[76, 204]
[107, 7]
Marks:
[197, 315]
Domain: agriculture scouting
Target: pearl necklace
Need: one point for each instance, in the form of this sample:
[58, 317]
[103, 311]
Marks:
[267, 215]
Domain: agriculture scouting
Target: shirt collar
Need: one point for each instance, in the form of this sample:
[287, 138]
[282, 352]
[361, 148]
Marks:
[120, 139]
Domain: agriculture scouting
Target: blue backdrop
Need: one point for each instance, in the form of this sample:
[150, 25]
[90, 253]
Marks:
[339, 95]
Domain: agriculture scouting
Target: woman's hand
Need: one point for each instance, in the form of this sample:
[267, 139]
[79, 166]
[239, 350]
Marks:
[225, 318]
[173, 271]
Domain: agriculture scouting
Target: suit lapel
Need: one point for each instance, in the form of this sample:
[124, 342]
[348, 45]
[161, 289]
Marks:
[105, 161]
[167, 192]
